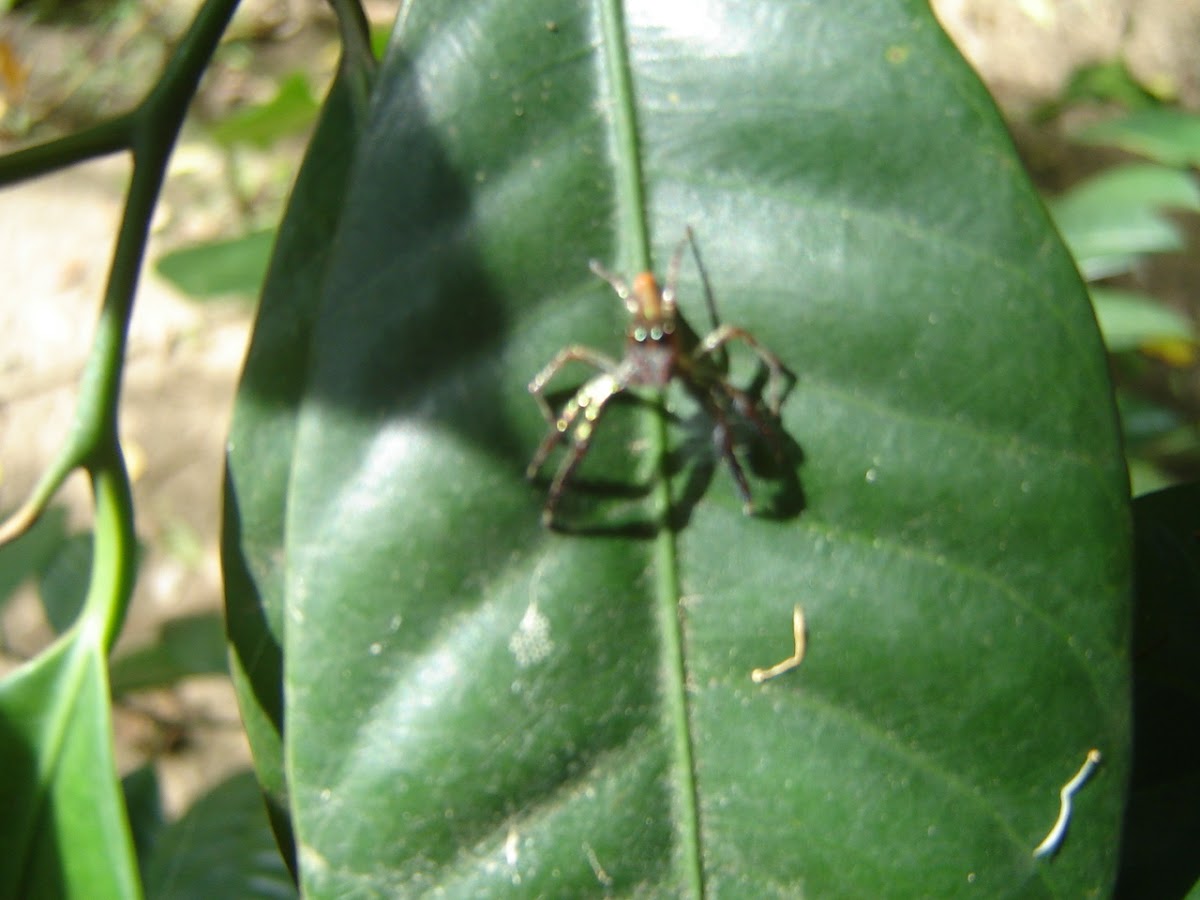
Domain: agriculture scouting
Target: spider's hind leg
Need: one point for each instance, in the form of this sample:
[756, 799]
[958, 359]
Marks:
[763, 422]
[724, 439]
[780, 379]
[728, 408]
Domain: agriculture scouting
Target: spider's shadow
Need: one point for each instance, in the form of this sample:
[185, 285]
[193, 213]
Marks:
[772, 468]
[607, 507]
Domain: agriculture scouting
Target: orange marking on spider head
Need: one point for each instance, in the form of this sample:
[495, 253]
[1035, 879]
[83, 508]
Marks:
[653, 315]
[647, 294]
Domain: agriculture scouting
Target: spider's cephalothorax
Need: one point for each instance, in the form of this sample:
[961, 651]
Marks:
[659, 347]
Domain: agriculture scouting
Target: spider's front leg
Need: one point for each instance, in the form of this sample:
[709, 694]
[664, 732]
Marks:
[573, 353]
[780, 378]
[578, 419]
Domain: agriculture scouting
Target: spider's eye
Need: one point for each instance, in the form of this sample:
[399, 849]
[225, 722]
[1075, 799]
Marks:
[639, 334]
[656, 333]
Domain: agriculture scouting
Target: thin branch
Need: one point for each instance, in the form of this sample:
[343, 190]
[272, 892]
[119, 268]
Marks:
[100, 140]
[150, 131]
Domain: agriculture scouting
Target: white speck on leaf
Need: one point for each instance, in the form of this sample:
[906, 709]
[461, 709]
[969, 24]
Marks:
[512, 847]
[531, 643]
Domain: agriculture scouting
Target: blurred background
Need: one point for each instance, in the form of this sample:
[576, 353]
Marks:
[1098, 95]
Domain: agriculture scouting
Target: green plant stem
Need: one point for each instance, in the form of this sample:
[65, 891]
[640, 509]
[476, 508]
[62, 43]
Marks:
[114, 558]
[150, 131]
[91, 143]
[156, 128]
[62, 696]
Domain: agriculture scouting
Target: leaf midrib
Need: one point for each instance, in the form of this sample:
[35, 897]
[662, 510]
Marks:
[635, 249]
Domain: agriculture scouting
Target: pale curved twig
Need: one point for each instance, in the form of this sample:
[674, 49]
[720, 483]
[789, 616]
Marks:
[1059, 830]
[758, 676]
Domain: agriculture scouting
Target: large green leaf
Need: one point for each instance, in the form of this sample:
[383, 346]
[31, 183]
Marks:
[481, 705]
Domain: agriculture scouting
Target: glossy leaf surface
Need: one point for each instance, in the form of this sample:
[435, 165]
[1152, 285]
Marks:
[65, 828]
[477, 704]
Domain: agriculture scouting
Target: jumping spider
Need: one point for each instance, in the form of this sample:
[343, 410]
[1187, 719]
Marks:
[659, 347]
